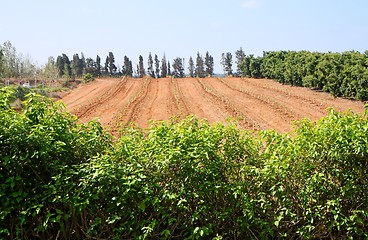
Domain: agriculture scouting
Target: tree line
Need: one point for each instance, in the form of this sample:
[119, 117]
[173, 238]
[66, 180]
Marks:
[156, 68]
[15, 65]
[341, 74]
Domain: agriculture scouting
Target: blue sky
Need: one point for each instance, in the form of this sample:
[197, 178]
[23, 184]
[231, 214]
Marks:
[43, 28]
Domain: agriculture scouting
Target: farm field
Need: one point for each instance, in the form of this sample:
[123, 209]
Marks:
[257, 103]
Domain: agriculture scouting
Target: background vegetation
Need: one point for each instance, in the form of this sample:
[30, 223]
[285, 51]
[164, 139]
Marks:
[179, 180]
[341, 74]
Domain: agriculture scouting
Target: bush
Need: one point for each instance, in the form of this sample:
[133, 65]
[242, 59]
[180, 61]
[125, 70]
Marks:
[87, 78]
[38, 144]
[179, 179]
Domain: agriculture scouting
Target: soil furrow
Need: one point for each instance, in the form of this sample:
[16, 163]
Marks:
[130, 109]
[111, 93]
[255, 103]
[262, 113]
[281, 108]
[245, 120]
[182, 106]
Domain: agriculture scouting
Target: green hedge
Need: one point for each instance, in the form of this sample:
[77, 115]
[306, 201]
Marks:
[341, 74]
[179, 179]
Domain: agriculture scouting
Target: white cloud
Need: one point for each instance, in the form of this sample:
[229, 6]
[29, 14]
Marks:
[251, 4]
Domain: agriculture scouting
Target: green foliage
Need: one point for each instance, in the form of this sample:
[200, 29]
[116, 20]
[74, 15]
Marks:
[209, 64]
[38, 144]
[341, 74]
[191, 67]
[178, 69]
[227, 63]
[179, 179]
[199, 67]
[164, 67]
[88, 78]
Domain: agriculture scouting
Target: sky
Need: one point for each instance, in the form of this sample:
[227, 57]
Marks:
[43, 28]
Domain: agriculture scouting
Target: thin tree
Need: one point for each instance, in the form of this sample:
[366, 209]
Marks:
[106, 66]
[199, 69]
[239, 55]
[111, 64]
[150, 69]
[227, 62]
[127, 69]
[163, 67]
[157, 66]
[168, 68]
[67, 67]
[98, 66]
[209, 64]
[60, 65]
[140, 67]
[191, 67]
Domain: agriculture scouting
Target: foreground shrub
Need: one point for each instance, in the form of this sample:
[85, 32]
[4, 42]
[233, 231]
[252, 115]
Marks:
[179, 179]
[36, 145]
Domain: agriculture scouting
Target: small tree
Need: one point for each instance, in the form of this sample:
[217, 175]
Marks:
[199, 70]
[127, 69]
[111, 63]
[91, 67]
[178, 70]
[168, 68]
[150, 69]
[140, 68]
[240, 55]
[98, 66]
[209, 64]
[106, 66]
[60, 65]
[157, 66]
[227, 62]
[163, 67]
[191, 67]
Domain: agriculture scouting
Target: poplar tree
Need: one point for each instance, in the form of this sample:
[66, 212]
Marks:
[98, 66]
[163, 67]
[60, 65]
[150, 70]
[239, 55]
[199, 69]
[140, 67]
[178, 70]
[111, 63]
[191, 67]
[227, 62]
[209, 64]
[127, 67]
[168, 68]
[157, 66]
[106, 67]
[67, 67]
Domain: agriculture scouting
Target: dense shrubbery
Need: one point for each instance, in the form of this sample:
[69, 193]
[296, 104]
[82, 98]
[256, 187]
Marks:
[184, 179]
[341, 74]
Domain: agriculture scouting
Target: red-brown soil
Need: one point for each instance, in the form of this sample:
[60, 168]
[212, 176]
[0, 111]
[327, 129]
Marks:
[257, 103]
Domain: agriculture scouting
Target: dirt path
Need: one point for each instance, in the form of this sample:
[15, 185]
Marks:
[256, 103]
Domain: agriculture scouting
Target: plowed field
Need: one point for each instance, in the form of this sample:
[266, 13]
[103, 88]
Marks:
[256, 103]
